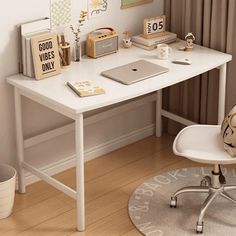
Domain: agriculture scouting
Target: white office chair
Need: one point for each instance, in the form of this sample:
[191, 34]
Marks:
[204, 144]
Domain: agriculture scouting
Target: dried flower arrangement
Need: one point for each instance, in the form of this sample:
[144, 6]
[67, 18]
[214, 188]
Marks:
[76, 31]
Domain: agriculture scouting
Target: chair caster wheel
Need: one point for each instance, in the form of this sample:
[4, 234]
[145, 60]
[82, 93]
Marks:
[199, 228]
[173, 202]
[206, 181]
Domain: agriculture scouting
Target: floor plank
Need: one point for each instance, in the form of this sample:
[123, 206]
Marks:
[109, 182]
[32, 216]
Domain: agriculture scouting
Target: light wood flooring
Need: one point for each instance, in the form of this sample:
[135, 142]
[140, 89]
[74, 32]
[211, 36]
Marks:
[110, 180]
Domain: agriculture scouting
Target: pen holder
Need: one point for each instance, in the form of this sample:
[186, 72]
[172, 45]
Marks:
[65, 55]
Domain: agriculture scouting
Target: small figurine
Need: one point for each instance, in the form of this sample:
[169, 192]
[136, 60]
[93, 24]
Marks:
[190, 38]
[127, 40]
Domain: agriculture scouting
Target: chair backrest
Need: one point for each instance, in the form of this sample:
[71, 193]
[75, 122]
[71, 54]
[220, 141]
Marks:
[228, 132]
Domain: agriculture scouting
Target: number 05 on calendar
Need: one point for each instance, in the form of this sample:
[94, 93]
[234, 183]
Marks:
[154, 26]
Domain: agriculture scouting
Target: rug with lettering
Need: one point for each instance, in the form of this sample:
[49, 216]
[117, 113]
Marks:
[150, 212]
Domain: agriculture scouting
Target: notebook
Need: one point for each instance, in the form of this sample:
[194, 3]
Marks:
[134, 72]
[85, 88]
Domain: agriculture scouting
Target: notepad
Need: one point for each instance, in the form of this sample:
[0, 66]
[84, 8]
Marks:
[85, 88]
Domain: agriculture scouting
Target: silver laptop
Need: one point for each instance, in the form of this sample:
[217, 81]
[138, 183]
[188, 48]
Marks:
[134, 72]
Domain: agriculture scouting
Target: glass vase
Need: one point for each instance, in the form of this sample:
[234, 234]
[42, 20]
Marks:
[76, 51]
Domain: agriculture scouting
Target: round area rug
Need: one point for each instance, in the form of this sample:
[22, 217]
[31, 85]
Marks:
[150, 212]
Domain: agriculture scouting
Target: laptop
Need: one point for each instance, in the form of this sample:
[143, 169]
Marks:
[134, 72]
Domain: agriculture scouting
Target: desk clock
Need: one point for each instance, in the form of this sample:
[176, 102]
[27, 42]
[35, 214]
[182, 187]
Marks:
[153, 27]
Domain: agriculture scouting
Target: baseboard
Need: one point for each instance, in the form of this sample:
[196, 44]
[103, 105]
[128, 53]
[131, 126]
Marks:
[94, 152]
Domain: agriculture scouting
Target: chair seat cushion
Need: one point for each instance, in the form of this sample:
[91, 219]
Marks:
[202, 143]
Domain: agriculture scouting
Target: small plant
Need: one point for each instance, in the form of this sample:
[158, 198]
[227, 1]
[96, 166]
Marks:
[76, 31]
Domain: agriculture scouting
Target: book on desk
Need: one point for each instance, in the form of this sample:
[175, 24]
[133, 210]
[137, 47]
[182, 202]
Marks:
[27, 31]
[151, 43]
[85, 88]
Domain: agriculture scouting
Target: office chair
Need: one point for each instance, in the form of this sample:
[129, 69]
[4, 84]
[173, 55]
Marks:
[204, 144]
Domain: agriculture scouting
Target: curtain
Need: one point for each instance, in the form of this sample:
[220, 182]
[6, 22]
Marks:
[213, 23]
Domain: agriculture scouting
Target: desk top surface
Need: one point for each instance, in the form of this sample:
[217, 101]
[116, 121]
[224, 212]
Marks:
[54, 92]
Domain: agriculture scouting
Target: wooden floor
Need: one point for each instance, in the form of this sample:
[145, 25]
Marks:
[110, 180]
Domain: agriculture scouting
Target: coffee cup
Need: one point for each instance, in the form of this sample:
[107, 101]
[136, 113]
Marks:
[163, 51]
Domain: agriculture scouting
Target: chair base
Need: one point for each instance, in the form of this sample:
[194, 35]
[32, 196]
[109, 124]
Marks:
[214, 186]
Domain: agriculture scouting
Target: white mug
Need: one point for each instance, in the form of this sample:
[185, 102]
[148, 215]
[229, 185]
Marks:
[163, 51]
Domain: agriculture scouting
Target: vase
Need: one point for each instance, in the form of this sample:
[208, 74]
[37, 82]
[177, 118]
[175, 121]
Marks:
[77, 51]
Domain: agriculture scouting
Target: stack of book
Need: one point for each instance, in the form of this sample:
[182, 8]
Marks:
[151, 43]
[29, 30]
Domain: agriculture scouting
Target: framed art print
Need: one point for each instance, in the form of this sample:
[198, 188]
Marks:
[97, 8]
[133, 3]
[60, 13]
[45, 55]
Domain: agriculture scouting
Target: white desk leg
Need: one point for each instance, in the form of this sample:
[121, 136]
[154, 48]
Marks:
[222, 88]
[158, 113]
[19, 141]
[79, 144]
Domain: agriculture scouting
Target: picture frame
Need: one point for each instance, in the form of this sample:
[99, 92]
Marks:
[45, 54]
[132, 3]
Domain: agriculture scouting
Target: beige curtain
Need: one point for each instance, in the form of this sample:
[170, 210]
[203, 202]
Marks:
[213, 22]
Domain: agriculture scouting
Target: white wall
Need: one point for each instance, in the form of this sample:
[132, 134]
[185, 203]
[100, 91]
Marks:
[38, 118]
[120, 19]
[12, 13]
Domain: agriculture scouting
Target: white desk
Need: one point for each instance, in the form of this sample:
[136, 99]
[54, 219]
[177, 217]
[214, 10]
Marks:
[54, 94]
